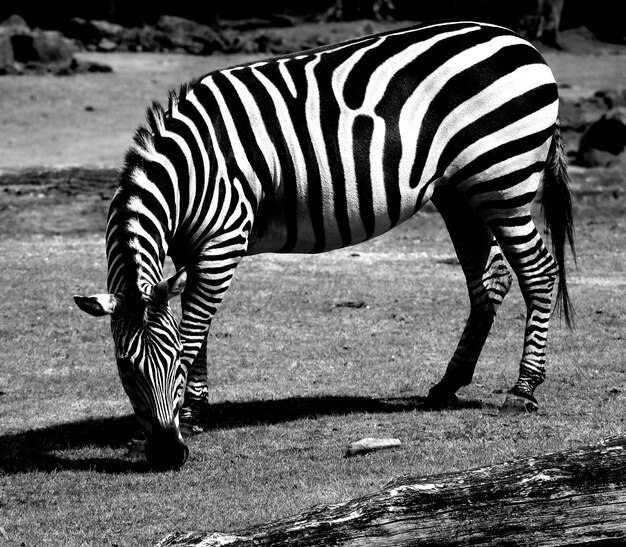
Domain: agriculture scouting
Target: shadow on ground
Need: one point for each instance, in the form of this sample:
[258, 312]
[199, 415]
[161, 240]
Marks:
[46, 449]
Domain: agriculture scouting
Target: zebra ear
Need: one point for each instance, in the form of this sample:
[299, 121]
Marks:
[169, 288]
[98, 304]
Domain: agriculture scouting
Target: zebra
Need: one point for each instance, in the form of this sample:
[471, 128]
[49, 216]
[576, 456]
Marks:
[324, 149]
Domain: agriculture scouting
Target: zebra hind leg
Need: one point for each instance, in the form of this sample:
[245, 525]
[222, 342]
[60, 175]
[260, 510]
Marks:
[536, 271]
[488, 281]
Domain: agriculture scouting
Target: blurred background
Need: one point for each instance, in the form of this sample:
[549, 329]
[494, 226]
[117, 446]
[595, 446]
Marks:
[541, 19]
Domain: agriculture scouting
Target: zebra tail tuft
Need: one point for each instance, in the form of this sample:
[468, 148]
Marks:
[558, 216]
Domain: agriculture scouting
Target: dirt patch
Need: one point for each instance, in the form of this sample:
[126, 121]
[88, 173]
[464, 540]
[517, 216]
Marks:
[62, 182]
[76, 200]
[55, 202]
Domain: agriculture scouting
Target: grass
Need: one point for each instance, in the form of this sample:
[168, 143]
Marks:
[297, 375]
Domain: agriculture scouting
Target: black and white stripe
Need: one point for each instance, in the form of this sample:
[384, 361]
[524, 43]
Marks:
[330, 147]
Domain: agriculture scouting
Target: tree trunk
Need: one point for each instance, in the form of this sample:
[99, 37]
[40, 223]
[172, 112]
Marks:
[549, 21]
[556, 499]
[544, 23]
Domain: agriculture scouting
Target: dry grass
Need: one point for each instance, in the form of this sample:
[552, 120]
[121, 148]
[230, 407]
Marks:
[295, 378]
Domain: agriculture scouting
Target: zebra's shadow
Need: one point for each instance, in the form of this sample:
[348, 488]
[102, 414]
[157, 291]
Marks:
[72, 445]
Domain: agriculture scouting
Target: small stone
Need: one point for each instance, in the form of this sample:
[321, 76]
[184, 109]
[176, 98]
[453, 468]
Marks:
[371, 444]
[351, 304]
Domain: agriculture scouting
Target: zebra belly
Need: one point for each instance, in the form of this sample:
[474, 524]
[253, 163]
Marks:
[335, 229]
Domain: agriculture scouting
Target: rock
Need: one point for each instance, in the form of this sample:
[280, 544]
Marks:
[80, 67]
[15, 24]
[578, 115]
[7, 59]
[82, 31]
[106, 29]
[92, 33]
[371, 444]
[25, 49]
[603, 141]
[189, 36]
[140, 39]
[170, 33]
[106, 45]
[612, 98]
[351, 304]
[51, 47]
[595, 158]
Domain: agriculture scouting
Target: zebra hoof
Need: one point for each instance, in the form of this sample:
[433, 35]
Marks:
[194, 416]
[440, 401]
[519, 404]
[189, 427]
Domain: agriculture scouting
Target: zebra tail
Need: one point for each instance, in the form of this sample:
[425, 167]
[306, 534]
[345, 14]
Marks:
[558, 216]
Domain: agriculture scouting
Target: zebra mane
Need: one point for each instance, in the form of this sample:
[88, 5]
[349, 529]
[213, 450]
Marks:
[156, 117]
[143, 152]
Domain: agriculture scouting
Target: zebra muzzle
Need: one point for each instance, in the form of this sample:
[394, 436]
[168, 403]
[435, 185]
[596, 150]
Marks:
[166, 449]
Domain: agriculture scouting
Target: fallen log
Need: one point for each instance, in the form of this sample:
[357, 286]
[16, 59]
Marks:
[563, 498]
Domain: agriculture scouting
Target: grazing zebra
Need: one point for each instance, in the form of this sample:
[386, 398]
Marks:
[324, 149]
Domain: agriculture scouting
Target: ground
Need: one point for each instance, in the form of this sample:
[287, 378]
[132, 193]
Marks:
[88, 120]
[289, 391]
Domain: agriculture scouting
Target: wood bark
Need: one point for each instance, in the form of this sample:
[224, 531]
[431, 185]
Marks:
[564, 498]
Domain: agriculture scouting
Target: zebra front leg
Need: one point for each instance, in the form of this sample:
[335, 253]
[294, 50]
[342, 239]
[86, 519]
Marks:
[486, 296]
[488, 281]
[208, 280]
[195, 412]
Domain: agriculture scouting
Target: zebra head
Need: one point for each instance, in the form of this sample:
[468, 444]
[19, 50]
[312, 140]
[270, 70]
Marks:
[148, 349]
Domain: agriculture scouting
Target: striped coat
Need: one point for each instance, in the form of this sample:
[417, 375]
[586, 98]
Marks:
[327, 148]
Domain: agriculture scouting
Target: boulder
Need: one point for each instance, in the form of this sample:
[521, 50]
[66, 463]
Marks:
[91, 34]
[43, 50]
[34, 45]
[170, 33]
[603, 142]
[612, 98]
[577, 115]
[15, 24]
[26, 50]
[7, 59]
[144, 39]
[189, 36]
[81, 30]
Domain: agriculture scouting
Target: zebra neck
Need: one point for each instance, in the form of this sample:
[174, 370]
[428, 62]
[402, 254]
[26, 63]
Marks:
[137, 242]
